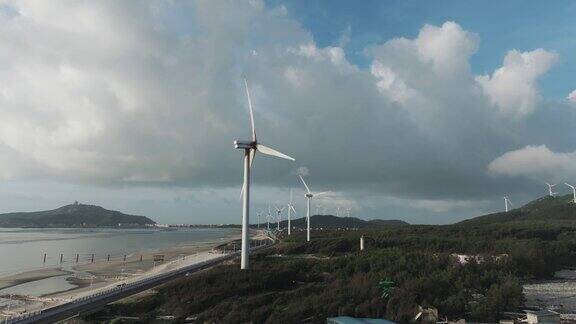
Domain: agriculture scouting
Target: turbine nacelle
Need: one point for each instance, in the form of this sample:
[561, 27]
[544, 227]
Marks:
[308, 195]
[245, 145]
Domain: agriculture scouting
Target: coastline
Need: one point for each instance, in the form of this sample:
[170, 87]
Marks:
[31, 276]
[100, 273]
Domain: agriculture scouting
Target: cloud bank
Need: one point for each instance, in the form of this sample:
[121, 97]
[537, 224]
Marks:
[149, 93]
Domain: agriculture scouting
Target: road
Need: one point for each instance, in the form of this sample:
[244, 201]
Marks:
[91, 300]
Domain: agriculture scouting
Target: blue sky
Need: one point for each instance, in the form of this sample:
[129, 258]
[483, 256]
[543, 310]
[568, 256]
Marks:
[501, 25]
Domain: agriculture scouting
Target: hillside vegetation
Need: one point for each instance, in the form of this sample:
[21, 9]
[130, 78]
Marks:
[332, 222]
[73, 215]
[543, 209]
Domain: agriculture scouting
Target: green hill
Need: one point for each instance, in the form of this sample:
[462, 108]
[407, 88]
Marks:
[74, 215]
[543, 209]
[331, 221]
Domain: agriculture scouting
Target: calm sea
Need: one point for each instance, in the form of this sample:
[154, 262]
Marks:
[23, 249]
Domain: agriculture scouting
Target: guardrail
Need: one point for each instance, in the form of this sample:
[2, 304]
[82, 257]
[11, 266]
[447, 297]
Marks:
[124, 287]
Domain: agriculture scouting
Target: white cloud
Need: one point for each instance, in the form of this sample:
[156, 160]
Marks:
[448, 47]
[513, 87]
[150, 93]
[572, 97]
[537, 162]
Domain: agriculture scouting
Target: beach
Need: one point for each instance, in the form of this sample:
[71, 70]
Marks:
[38, 287]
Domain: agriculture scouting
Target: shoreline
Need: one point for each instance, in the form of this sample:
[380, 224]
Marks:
[31, 276]
[86, 276]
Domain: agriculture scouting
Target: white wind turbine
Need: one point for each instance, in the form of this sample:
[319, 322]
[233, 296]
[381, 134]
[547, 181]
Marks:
[573, 190]
[250, 147]
[258, 214]
[279, 216]
[268, 217]
[506, 202]
[290, 209]
[551, 193]
[308, 196]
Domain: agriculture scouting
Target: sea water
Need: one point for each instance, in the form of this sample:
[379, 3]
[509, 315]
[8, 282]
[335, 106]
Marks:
[23, 249]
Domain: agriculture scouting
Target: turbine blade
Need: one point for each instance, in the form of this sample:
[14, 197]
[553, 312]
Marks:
[251, 111]
[321, 193]
[571, 186]
[305, 185]
[252, 156]
[269, 151]
[292, 207]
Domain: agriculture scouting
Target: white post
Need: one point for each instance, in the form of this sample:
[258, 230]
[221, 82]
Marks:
[290, 216]
[308, 219]
[245, 212]
[362, 243]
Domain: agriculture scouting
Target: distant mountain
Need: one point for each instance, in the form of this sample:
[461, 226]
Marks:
[74, 215]
[542, 209]
[331, 221]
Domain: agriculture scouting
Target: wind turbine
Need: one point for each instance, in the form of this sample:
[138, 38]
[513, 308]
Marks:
[308, 196]
[250, 147]
[268, 217]
[551, 193]
[258, 214]
[506, 202]
[279, 216]
[573, 190]
[338, 211]
[290, 209]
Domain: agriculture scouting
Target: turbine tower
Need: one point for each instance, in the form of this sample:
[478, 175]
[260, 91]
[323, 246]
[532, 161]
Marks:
[551, 193]
[258, 214]
[279, 216]
[308, 196]
[290, 209]
[250, 147]
[573, 190]
[268, 217]
[506, 202]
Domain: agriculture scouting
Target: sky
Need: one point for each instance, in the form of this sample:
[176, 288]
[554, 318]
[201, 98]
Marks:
[425, 111]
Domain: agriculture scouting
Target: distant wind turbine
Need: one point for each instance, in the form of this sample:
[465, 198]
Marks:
[268, 217]
[551, 193]
[309, 196]
[506, 202]
[279, 216]
[250, 147]
[290, 209]
[258, 214]
[573, 190]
